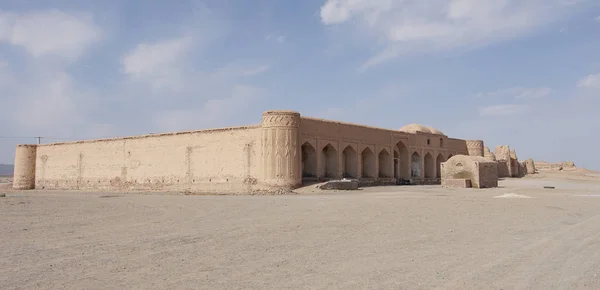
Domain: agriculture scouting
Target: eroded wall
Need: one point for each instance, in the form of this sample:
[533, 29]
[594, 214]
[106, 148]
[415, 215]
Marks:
[480, 172]
[220, 160]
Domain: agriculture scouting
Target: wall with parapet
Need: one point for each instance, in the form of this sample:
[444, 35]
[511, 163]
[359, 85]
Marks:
[221, 160]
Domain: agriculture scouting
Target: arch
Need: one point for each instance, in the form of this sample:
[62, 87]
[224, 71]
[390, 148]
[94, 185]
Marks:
[309, 160]
[403, 161]
[329, 161]
[385, 164]
[438, 165]
[416, 165]
[396, 164]
[349, 162]
[429, 166]
[368, 163]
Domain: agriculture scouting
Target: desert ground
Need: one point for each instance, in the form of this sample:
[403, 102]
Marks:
[518, 236]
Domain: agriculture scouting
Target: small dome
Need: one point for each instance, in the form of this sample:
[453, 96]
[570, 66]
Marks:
[414, 128]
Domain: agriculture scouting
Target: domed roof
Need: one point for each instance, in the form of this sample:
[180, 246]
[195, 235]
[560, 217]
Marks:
[435, 131]
[414, 128]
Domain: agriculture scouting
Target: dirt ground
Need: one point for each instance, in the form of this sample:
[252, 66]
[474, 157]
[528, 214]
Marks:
[518, 236]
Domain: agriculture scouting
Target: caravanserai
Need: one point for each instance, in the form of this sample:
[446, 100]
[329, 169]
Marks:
[283, 152]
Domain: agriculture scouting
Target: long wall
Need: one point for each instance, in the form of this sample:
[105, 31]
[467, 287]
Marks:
[221, 160]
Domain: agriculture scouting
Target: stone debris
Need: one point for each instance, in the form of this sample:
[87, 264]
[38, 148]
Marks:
[344, 184]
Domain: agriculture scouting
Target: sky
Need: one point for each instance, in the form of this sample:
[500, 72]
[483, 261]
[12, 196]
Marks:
[525, 73]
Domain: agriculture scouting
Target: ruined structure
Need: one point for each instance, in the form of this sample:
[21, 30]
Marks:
[488, 155]
[469, 171]
[529, 166]
[504, 161]
[282, 152]
[559, 166]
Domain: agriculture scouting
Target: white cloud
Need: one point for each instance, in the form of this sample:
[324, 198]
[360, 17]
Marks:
[518, 93]
[50, 32]
[210, 113]
[148, 59]
[590, 81]
[438, 25]
[501, 110]
[43, 97]
[48, 102]
[159, 64]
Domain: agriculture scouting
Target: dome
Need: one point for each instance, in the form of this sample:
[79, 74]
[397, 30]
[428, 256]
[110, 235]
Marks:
[435, 131]
[414, 128]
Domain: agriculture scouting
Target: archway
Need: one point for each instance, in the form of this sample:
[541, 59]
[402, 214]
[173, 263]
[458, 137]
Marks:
[309, 160]
[350, 162]
[396, 164]
[439, 160]
[416, 165]
[429, 166]
[368, 163]
[329, 162]
[385, 164]
[404, 171]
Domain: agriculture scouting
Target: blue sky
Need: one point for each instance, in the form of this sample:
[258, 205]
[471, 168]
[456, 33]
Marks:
[519, 72]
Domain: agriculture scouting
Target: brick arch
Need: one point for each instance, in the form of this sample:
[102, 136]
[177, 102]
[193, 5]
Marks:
[415, 164]
[368, 163]
[350, 162]
[385, 161]
[309, 160]
[329, 161]
[429, 166]
[438, 164]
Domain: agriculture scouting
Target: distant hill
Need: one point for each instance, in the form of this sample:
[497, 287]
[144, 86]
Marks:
[6, 169]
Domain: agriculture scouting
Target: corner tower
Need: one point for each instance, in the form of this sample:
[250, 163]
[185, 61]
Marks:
[281, 164]
[24, 174]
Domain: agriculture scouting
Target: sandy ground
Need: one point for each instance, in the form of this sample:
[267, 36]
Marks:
[407, 237]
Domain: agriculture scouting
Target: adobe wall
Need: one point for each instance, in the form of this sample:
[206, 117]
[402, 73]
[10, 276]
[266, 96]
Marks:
[475, 148]
[505, 168]
[220, 160]
[488, 174]
[280, 153]
[479, 172]
[530, 166]
[355, 151]
[544, 166]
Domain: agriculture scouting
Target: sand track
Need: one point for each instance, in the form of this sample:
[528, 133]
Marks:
[385, 238]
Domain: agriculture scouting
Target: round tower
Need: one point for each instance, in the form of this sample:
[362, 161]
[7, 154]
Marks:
[24, 174]
[475, 147]
[281, 162]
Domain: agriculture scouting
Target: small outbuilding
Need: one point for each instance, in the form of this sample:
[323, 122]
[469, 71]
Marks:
[469, 171]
